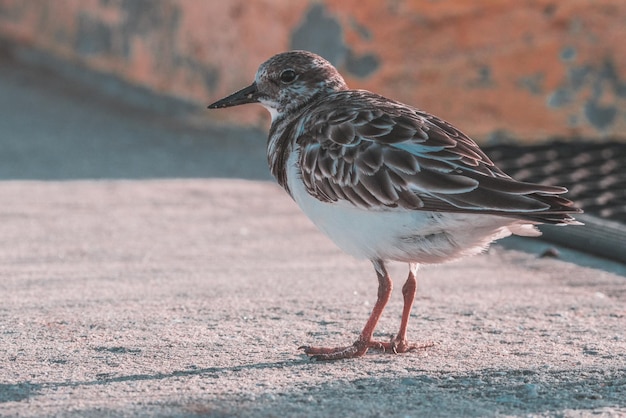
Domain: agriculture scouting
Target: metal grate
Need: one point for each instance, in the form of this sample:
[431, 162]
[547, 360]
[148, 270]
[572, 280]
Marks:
[594, 173]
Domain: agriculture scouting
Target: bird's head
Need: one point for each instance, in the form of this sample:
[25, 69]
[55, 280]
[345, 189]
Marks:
[286, 82]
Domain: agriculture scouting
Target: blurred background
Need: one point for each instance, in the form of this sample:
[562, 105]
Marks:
[119, 88]
[528, 70]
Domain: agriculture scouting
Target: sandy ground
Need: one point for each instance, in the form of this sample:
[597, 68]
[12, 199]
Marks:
[136, 282]
[190, 297]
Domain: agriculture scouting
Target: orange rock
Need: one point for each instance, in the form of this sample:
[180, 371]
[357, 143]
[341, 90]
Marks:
[529, 71]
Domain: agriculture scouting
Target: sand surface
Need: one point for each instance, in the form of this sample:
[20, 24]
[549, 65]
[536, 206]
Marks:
[191, 297]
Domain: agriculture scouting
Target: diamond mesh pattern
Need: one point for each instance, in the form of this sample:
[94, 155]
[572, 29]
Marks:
[594, 173]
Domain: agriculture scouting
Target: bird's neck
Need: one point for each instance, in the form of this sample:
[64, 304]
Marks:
[280, 143]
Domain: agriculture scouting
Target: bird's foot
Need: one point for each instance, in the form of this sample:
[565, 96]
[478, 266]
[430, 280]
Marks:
[357, 349]
[401, 345]
[360, 347]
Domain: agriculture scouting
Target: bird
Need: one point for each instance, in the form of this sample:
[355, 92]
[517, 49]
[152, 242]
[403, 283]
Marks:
[386, 181]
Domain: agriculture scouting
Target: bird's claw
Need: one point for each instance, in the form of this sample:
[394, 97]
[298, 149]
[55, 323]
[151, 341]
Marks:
[360, 347]
[357, 349]
[399, 345]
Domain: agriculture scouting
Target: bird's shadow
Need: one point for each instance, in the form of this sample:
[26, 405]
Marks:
[21, 391]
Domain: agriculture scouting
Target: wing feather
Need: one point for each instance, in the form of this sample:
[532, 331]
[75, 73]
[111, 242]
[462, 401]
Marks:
[376, 153]
[370, 160]
[397, 160]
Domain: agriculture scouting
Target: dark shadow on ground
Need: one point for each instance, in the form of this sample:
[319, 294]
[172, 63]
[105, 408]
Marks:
[485, 392]
[477, 394]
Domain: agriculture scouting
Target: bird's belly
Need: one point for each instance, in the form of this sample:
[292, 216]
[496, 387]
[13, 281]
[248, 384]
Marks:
[378, 235]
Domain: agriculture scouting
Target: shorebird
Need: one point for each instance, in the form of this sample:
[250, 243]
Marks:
[386, 181]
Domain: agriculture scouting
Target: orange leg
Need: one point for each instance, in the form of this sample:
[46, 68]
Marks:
[399, 344]
[364, 342]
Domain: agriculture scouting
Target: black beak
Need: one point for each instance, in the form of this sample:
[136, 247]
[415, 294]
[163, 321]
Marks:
[243, 96]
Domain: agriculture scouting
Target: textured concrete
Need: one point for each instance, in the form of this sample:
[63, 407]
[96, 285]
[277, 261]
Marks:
[534, 71]
[137, 282]
[190, 297]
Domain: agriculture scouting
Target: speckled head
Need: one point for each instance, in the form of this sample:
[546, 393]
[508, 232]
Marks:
[287, 82]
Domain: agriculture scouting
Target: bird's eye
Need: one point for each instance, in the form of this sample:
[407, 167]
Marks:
[288, 76]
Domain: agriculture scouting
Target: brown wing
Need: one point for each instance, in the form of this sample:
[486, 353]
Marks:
[376, 153]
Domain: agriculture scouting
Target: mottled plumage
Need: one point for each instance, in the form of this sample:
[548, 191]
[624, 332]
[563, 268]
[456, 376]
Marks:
[386, 181]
